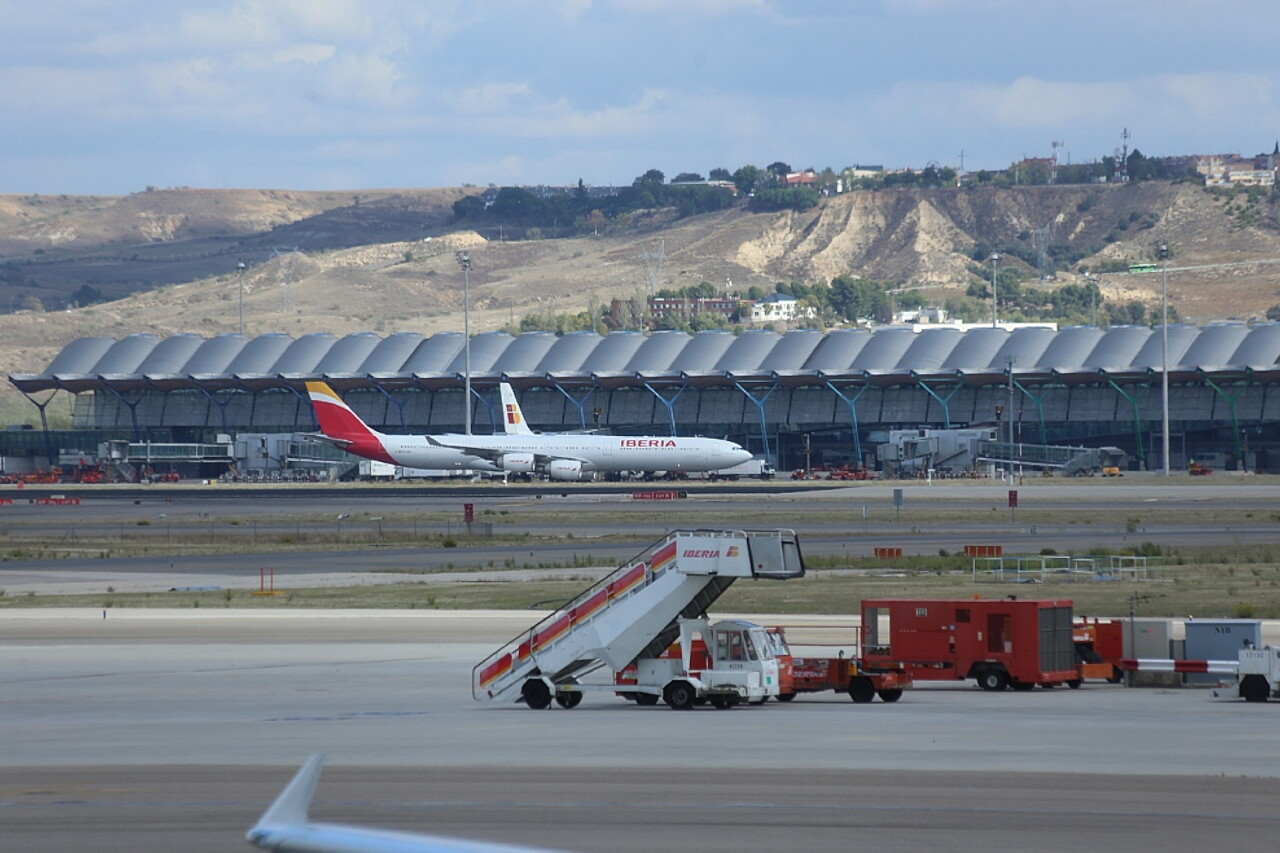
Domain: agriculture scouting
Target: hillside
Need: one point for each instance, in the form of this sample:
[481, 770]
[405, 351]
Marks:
[385, 261]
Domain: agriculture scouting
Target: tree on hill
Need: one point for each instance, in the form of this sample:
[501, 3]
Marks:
[748, 179]
[651, 178]
[780, 198]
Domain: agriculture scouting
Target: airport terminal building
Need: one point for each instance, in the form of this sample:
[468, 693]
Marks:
[837, 393]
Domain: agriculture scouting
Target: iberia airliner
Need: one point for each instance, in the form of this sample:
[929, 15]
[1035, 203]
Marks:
[519, 450]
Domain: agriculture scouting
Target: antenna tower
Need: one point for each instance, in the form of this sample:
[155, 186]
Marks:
[653, 266]
[1053, 174]
[1042, 237]
[1122, 155]
[285, 258]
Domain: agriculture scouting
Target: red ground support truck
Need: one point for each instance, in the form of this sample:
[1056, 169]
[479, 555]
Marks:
[1000, 643]
[842, 674]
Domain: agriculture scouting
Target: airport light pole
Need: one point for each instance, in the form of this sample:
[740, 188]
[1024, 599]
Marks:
[240, 270]
[995, 315]
[1164, 355]
[464, 260]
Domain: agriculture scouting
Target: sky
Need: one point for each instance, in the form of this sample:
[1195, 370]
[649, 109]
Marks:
[110, 97]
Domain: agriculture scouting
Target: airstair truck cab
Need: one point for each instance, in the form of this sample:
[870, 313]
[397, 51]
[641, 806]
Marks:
[739, 666]
[632, 616]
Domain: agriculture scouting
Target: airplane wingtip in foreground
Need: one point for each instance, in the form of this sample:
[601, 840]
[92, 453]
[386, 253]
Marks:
[284, 826]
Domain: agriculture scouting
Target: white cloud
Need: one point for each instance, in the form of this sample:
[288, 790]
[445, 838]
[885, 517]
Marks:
[1024, 102]
[310, 54]
[1215, 94]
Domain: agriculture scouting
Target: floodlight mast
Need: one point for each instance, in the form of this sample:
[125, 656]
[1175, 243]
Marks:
[464, 260]
[995, 314]
[240, 268]
[1164, 354]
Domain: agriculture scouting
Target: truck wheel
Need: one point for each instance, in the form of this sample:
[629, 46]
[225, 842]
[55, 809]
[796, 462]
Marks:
[786, 697]
[1254, 688]
[861, 690]
[1116, 676]
[890, 694]
[993, 679]
[646, 699]
[1074, 684]
[536, 694]
[1022, 685]
[568, 699]
[680, 695]
[722, 703]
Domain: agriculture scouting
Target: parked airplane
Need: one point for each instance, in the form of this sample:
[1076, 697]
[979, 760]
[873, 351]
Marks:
[576, 456]
[285, 826]
[519, 450]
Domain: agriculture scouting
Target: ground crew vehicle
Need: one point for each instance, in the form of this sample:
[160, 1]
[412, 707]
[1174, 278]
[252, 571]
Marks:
[1259, 674]
[997, 642]
[632, 617]
[819, 674]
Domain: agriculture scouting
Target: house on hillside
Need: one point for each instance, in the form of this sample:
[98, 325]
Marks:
[807, 178]
[780, 308]
[1232, 170]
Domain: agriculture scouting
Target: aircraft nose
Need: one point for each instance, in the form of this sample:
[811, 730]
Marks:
[737, 456]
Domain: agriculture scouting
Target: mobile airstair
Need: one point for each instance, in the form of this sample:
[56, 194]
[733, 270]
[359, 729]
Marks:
[635, 611]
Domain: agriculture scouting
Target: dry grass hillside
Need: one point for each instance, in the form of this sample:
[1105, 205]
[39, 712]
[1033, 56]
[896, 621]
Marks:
[385, 261]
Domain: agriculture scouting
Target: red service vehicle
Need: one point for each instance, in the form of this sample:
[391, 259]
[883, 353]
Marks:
[814, 675]
[997, 642]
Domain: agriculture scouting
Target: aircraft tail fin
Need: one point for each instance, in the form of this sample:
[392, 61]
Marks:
[343, 427]
[337, 420]
[513, 421]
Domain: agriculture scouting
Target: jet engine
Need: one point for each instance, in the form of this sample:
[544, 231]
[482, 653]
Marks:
[518, 463]
[565, 469]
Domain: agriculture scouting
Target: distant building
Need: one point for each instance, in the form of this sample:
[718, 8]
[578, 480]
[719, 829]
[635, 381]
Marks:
[1232, 170]
[686, 308]
[622, 311]
[720, 185]
[807, 178]
[923, 315]
[779, 308]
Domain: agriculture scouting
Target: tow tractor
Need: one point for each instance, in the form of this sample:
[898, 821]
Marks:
[630, 619]
[841, 673]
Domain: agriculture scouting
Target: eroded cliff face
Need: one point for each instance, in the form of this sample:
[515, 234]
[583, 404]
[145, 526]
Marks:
[925, 237]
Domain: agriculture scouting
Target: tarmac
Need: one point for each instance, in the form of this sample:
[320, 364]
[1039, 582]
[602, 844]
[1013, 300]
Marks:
[161, 730]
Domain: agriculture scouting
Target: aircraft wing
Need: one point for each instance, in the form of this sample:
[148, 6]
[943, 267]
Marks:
[493, 454]
[285, 827]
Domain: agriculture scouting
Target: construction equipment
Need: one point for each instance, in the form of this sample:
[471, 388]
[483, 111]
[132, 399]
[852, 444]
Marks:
[632, 617]
[998, 642]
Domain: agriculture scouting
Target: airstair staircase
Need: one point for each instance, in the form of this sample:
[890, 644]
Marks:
[634, 611]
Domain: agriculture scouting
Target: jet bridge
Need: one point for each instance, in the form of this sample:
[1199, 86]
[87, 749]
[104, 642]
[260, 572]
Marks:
[635, 610]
